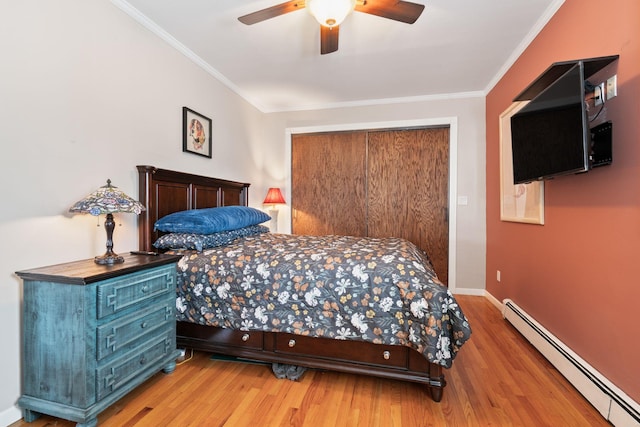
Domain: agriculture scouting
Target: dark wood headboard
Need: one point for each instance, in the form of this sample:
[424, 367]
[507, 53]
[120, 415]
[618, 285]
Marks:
[164, 191]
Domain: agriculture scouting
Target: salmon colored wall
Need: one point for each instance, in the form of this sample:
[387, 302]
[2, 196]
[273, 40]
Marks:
[579, 273]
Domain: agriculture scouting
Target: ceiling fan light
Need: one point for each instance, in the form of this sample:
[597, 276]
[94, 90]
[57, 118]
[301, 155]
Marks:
[330, 12]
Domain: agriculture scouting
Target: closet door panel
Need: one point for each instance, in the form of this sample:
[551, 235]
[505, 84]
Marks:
[328, 183]
[408, 189]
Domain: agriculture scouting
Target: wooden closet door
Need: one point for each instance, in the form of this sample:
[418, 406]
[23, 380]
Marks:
[329, 177]
[408, 190]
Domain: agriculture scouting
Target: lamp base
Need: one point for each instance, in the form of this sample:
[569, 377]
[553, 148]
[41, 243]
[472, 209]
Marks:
[273, 226]
[108, 259]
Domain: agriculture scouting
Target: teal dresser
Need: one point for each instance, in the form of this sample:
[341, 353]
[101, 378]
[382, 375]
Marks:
[92, 333]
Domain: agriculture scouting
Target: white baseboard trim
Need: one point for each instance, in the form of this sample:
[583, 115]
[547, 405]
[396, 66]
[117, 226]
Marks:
[612, 403]
[10, 416]
[494, 301]
[470, 291]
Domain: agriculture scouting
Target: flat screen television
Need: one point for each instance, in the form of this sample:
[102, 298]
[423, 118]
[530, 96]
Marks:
[550, 136]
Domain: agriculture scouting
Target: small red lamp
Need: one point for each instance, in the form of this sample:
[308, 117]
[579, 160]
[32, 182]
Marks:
[274, 197]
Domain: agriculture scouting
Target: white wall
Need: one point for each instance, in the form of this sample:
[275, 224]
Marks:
[87, 94]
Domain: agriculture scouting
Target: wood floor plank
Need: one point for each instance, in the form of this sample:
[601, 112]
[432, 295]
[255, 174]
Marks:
[498, 379]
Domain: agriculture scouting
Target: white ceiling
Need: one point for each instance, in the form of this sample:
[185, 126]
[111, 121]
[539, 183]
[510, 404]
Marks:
[455, 48]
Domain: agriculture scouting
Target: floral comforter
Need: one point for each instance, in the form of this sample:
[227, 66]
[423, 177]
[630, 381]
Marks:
[381, 290]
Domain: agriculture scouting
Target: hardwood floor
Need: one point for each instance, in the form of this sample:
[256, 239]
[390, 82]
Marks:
[498, 379]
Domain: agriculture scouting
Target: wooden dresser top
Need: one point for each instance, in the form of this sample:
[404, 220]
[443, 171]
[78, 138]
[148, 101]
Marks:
[87, 271]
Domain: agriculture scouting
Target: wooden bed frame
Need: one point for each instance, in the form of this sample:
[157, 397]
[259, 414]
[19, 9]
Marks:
[163, 192]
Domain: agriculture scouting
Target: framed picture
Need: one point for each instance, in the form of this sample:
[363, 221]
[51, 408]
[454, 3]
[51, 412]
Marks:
[196, 133]
[518, 202]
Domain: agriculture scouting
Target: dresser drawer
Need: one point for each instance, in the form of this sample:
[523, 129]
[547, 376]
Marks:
[119, 294]
[386, 355]
[129, 366]
[124, 332]
[216, 336]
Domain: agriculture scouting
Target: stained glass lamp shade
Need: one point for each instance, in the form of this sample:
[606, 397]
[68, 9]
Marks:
[108, 200]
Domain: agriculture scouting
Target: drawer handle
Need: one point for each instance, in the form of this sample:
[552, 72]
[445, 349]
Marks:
[110, 379]
[245, 337]
[144, 289]
[386, 355]
[143, 360]
[143, 325]
[292, 343]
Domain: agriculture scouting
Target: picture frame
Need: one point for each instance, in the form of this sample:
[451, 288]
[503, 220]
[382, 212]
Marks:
[196, 133]
[518, 202]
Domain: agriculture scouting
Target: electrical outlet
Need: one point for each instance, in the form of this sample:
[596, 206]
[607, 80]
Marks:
[598, 94]
[612, 87]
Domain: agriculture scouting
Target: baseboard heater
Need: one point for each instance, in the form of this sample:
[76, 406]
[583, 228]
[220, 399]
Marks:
[614, 405]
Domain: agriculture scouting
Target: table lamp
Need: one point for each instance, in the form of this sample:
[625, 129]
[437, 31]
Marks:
[108, 200]
[274, 198]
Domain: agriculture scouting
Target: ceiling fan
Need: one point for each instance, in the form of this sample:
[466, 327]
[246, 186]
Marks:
[331, 13]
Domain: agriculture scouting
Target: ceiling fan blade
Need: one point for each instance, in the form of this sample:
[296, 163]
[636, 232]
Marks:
[402, 11]
[272, 12]
[329, 39]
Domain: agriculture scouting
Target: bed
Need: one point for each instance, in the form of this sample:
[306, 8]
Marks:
[300, 325]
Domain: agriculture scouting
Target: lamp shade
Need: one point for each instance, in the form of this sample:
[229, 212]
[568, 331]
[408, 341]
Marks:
[330, 12]
[108, 200]
[274, 197]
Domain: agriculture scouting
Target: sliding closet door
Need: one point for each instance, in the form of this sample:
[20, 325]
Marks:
[408, 190]
[328, 176]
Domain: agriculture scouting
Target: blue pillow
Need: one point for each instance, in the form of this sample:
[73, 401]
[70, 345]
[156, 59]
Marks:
[211, 220]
